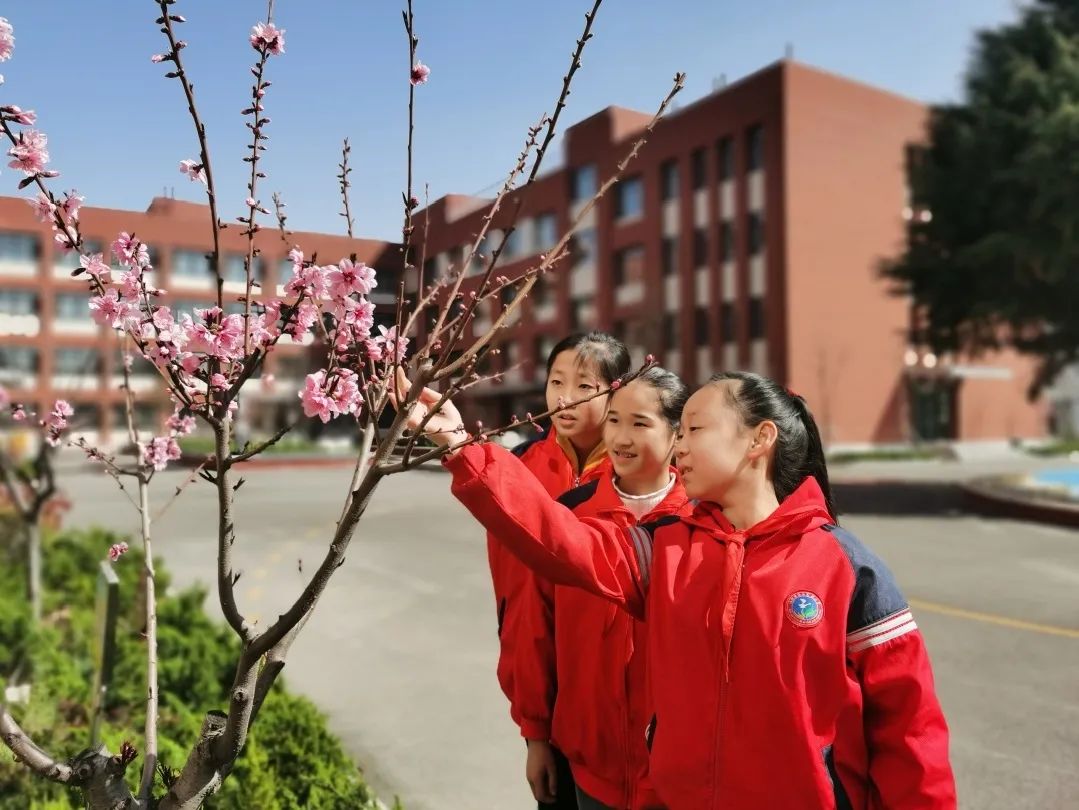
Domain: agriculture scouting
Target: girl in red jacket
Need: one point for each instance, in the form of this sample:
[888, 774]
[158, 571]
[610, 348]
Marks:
[592, 702]
[785, 667]
[560, 458]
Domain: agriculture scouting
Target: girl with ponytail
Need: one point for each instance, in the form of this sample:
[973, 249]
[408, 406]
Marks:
[785, 669]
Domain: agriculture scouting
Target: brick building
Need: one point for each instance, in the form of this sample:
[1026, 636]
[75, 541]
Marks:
[50, 347]
[747, 234]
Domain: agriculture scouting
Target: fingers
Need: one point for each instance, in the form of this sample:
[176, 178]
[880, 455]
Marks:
[552, 780]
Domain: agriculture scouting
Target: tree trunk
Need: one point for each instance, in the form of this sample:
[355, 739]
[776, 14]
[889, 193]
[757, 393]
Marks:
[33, 552]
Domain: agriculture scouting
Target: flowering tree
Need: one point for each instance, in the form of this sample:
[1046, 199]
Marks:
[204, 360]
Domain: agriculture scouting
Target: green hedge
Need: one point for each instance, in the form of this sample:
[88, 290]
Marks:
[291, 761]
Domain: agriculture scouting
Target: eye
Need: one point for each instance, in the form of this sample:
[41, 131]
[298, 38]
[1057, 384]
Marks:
[613, 420]
[555, 383]
[639, 424]
[586, 387]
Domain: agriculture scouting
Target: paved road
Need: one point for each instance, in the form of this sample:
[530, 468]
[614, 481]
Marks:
[401, 651]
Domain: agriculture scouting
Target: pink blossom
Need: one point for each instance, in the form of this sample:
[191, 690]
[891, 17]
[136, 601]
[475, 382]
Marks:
[30, 152]
[212, 334]
[19, 116]
[349, 277]
[94, 264]
[71, 204]
[262, 329]
[181, 425]
[373, 349]
[129, 251]
[18, 413]
[65, 240]
[111, 311]
[56, 421]
[219, 381]
[42, 206]
[392, 345]
[268, 37]
[117, 550]
[301, 320]
[7, 39]
[310, 279]
[160, 451]
[419, 75]
[315, 401]
[194, 170]
[266, 382]
[295, 256]
[158, 58]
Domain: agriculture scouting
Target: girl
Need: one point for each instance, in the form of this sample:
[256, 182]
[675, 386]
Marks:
[785, 668]
[564, 456]
[595, 694]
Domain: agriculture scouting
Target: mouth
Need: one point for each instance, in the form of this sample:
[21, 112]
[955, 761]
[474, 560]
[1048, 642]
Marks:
[565, 418]
[623, 455]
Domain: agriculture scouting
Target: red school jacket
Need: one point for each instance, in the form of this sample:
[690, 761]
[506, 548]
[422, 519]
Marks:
[593, 705]
[553, 464]
[785, 667]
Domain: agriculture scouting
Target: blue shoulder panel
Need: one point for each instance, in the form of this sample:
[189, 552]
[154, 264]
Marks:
[876, 593]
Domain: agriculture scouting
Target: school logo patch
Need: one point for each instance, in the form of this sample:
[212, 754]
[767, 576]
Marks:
[805, 609]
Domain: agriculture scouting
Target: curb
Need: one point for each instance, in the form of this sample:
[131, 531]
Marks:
[988, 499]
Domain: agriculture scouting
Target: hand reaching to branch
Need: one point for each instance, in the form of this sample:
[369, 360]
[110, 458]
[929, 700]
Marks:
[444, 427]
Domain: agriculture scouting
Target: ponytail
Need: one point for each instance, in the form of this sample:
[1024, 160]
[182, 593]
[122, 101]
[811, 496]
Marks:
[799, 452]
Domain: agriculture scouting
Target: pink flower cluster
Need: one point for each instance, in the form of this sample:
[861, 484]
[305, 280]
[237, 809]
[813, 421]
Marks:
[268, 37]
[7, 39]
[160, 451]
[327, 397]
[118, 550]
[30, 152]
[55, 423]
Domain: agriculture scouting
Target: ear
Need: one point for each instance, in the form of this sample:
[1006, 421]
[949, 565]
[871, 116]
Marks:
[764, 438]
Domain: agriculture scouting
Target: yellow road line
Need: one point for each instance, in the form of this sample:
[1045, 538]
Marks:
[989, 618]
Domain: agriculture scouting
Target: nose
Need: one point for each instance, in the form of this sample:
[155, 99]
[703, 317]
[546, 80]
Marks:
[680, 448]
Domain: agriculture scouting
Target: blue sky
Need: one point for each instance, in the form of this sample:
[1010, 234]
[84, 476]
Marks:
[117, 129]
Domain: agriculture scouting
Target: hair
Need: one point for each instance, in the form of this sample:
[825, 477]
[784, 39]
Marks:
[608, 353]
[799, 452]
[670, 389]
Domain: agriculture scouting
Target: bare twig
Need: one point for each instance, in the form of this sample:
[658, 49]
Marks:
[345, 184]
[279, 211]
[200, 131]
[247, 453]
[258, 91]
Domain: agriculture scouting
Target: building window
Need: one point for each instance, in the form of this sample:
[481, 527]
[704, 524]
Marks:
[190, 264]
[725, 157]
[700, 325]
[583, 182]
[71, 307]
[670, 255]
[726, 241]
[700, 168]
[755, 148]
[629, 198]
[76, 361]
[668, 178]
[700, 247]
[584, 244]
[756, 233]
[19, 247]
[546, 231]
[24, 302]
[541, 291]
[22, 359]
[514, 245]
[233, 268]
[728, 325]
[479, 258]
[670, 332]
[756, 318]
[629, 265]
